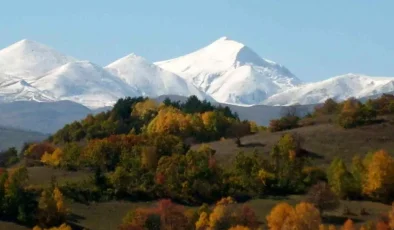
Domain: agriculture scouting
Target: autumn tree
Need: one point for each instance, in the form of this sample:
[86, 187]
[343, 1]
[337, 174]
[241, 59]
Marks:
[145, 110]
[348, 225]
[329, 107]
[354, 113]
[379, 182]
[279, 215]
[171, 121]
[53, 159]
[307, 216]
[36, 150]
[16, 202]
[287, 163]
[61, 227]
[52, 211]
[166, 215]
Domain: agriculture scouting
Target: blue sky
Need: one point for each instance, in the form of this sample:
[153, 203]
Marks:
[314, 39]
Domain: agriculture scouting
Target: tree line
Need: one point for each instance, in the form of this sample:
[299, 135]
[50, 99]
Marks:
[347, 114]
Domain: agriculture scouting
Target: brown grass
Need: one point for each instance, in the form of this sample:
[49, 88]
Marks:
[324, 141]
[42, 175]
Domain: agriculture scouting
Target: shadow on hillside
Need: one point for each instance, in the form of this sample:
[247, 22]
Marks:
[310, 154]
[73, 219]
[338, 220]
[75, 226]
[252, 145]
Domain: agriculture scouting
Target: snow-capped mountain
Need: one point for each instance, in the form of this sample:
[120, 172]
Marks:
[226, 70]
[338, 88]
[85, 83]
[150, 80]
[27, 59]
[231, 72]
[15, 89]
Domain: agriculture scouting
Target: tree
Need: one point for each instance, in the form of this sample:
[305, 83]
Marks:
[279, 215]
[8, 157]
[149, 158]
[339, 178]
[322, 197]
[307, 216]
[348, 225]
[238, 130]
[329, 107]
[379, 181]
[165, 215]
[52, 211]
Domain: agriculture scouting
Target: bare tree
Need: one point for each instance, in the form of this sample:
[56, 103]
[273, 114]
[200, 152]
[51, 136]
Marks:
[237, 131]
[322, 197]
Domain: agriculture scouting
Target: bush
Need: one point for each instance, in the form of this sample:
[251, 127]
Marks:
[284, 123]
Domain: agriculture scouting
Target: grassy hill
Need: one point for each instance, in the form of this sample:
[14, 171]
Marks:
[323, 141]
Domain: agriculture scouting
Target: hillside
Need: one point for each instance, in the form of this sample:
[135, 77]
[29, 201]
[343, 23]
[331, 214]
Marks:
[136, 155]
[323, 141]
[11, 137]
[41, 117]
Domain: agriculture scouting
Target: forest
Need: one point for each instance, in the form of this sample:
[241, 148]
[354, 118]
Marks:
[142, 150]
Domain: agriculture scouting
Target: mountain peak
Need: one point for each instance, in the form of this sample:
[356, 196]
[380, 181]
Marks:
[28, 58]
[231, 72]
[26, 41]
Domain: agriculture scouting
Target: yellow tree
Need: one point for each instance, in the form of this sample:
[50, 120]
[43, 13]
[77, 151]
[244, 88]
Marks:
[379, 182]
[171, 121]
[51, 207]
[145, 108]
[307, 216]
[54, 158]
[203, 221]
[348, 225]
[61, 227]
[279, 215]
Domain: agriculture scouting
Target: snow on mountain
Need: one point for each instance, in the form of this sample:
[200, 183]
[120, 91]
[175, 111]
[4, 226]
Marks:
[85, 83]
[150, 80]
[15, 89]
[231, 72]
[27, 59]
[339, 88]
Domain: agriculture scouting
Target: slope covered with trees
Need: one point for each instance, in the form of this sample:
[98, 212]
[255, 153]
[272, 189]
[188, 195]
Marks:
[142, 150]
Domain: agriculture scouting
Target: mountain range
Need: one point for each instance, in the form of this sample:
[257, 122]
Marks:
[225, 71]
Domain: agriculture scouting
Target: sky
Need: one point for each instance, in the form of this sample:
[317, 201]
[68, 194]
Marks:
[314, 39]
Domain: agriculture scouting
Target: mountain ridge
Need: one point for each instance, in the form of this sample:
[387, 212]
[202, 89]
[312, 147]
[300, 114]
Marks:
[225, 70]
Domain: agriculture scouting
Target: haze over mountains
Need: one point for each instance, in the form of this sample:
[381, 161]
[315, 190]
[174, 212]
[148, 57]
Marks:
[226, 71]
